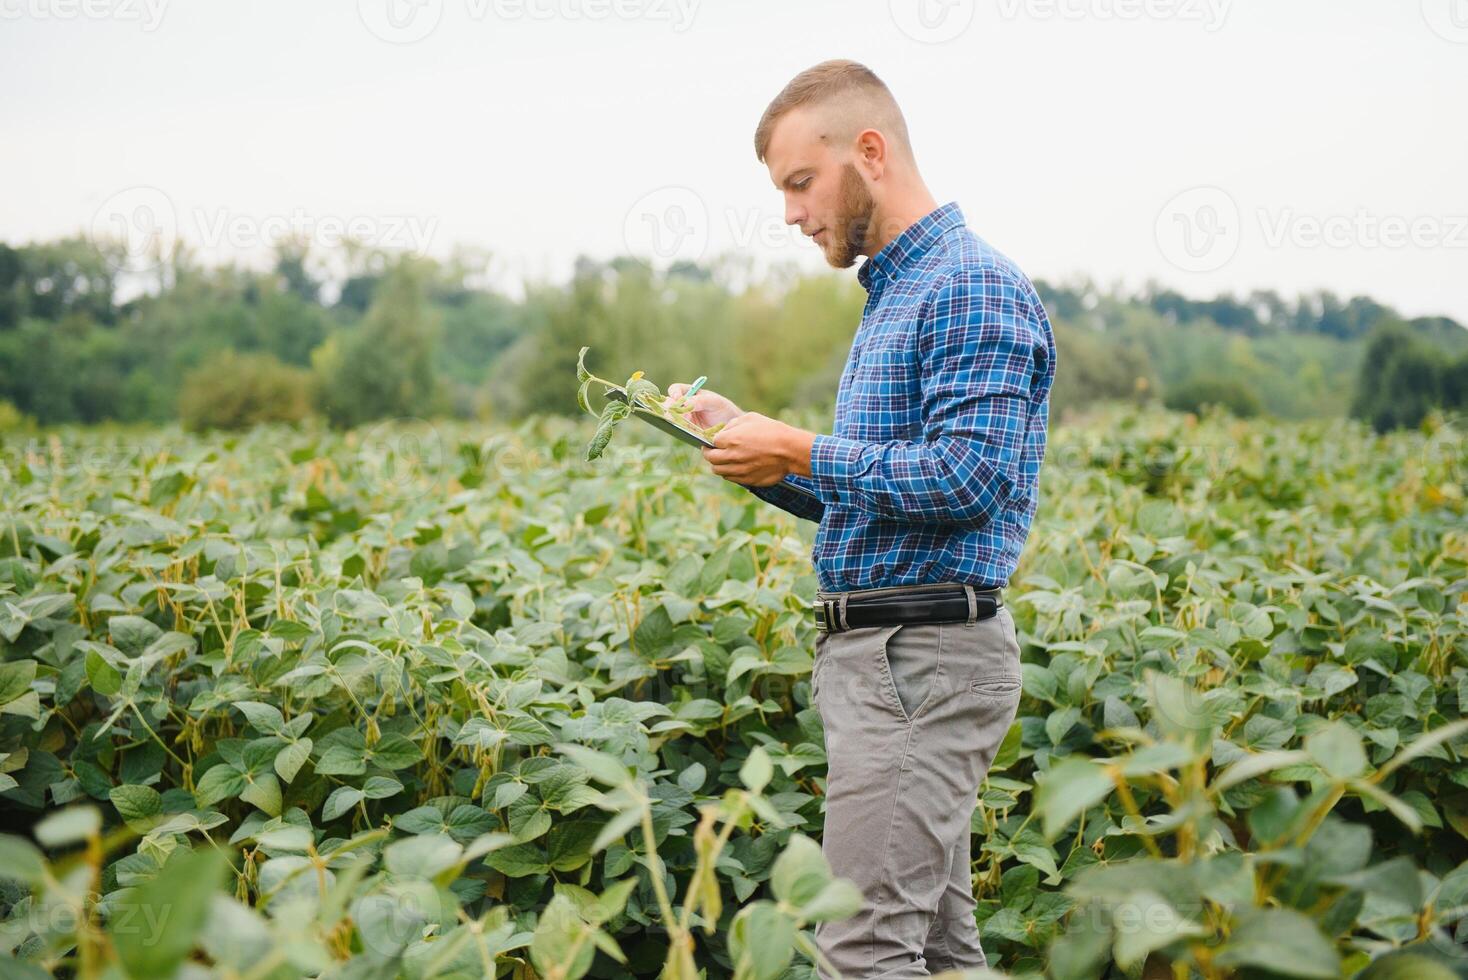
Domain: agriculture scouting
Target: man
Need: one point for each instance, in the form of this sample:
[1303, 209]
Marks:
[924, 491]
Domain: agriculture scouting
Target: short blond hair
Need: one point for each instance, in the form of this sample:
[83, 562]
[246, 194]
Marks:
[864, 99]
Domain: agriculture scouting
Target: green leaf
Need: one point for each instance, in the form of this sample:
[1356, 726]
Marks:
[20, 860]
[381, 787]
[263, 717]
[616, 828]
[15, 679]
[611, 415]
[263, 791]
[519, 861]
[1009, 748]
[1145, 922]
[1071, 787]
[654, 634]
[800, 872]
[341, 800]
[67, 826]
[155, 928]
[288, 761]
[1426, 742]
[558, 949]
[1256, 765]
[1283, 941]
[132, 634]
[136, 802]
[692, 778]
[342, 760]
[425, 855]
[395, 752]
[1399, 808]
[839, 899]
[1337, 749]
[222, 782]
[287, 838]
[102, 677]
[604, 768]
[1178, 709]
[761, 941]
[757, 770]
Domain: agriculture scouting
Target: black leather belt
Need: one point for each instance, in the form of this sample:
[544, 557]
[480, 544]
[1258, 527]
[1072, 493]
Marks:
[944, 602]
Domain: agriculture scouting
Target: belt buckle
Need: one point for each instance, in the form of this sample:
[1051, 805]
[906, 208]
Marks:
[825, 614]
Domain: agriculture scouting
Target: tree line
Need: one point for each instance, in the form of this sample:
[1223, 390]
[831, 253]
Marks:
[397, 335]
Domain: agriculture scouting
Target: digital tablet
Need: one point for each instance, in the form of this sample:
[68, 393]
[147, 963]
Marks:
[685, 435]
[652, 418]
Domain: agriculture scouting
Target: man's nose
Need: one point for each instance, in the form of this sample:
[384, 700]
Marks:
[794, 214]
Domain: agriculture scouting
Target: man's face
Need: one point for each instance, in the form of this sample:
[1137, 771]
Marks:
[824, 194]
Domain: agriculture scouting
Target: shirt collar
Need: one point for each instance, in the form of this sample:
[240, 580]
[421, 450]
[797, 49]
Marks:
[909, 246]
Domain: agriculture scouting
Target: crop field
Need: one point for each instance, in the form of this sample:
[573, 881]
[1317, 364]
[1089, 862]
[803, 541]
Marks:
[453, 701]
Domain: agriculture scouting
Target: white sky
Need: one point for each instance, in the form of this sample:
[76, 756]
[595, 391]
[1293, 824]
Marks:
[540, 129]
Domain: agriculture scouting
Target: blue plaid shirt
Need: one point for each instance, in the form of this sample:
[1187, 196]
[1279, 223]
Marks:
[931, 471]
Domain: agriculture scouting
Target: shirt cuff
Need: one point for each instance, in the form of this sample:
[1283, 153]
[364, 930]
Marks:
[833, 462]
[787, 496]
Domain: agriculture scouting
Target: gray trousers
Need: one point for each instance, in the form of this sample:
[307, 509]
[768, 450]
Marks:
[913, 717]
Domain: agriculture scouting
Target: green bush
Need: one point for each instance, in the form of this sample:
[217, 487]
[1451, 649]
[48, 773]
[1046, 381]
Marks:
[1403, 379]
[1198, 393]
[13, 419]
[383, 366]
[233, 390]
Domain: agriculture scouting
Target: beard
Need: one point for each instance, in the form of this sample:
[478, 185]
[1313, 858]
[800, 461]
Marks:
[854, 212]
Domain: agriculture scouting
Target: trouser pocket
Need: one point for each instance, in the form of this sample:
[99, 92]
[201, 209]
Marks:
[911, 659]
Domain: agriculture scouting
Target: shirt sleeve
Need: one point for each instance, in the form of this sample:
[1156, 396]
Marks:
[976, 350]
[806, 505]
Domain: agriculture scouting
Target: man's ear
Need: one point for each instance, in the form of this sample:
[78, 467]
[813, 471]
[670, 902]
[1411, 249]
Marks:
[871, 153]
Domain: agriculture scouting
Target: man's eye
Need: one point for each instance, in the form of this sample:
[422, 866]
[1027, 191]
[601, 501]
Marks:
[803, 184]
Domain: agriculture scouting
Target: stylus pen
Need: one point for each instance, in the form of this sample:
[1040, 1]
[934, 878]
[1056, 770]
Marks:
[692, 390]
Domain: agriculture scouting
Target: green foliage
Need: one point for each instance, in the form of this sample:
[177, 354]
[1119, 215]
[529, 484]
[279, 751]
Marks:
[412, 757]
[396, 336]
[640, 394]
[1094, 368]
[384, 367]
[556, 716]
[560, 715]
[1403, 379]
[13, 419]
[236, 391]
[1199, 393]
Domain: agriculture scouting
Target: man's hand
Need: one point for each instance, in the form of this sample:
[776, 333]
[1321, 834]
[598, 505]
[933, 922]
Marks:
[709, 408]
[757, 451]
